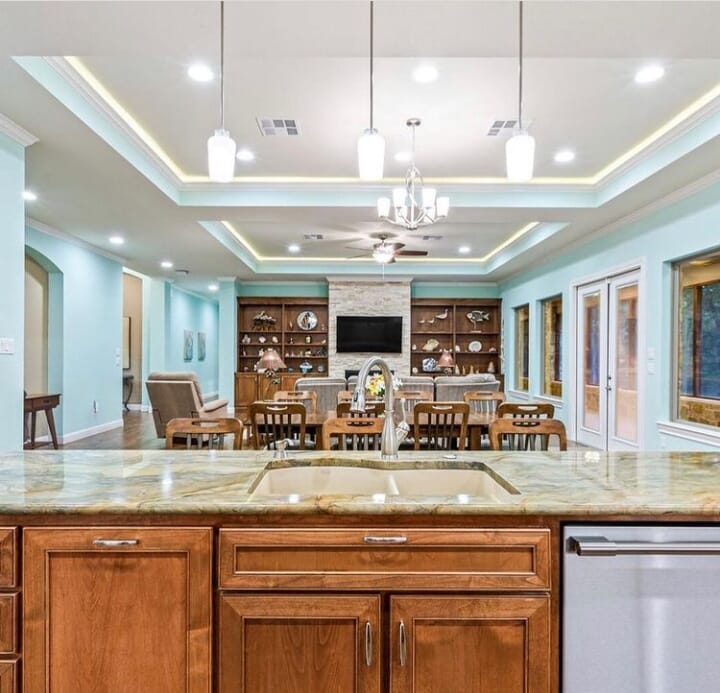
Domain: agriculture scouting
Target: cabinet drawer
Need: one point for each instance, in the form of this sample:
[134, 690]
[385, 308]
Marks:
[8, 557]
[397, 559]
[9, 675]
[9, 609]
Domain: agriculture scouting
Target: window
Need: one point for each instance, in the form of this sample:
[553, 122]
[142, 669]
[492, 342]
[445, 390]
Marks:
[522, 336]
[698, 343]
[552, 346]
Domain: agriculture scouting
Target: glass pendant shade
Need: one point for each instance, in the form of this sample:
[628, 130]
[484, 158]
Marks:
[371, 155]
[520, 157]
[383, 207]
[428, 197]
[221, 157]
[442, 206]
[399, 197]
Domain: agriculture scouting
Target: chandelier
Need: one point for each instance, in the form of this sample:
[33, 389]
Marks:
[414, 205]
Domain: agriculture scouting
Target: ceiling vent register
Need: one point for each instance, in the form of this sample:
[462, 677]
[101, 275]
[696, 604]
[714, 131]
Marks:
[278, 127]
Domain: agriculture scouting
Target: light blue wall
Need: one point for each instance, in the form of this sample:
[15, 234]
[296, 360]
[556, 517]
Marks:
[460, 290]
[12, 302]
[684, 229]
[280, 289]
[227, 348]
[85, 332]
[190, 312]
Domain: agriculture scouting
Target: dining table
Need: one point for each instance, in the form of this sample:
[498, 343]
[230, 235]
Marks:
[478, 424]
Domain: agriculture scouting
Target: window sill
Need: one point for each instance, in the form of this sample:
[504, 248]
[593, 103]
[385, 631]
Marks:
[687, 431]
[556, 401]
[522, 395]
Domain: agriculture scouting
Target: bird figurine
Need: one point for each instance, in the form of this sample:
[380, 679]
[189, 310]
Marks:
[443, 315]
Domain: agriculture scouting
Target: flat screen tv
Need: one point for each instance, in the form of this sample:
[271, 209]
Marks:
[379, 334]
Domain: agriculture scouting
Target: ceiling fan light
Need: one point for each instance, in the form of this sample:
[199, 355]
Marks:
[428, 197]
[442, 206]
[371, 155]
[383, 207]
[520, 157]
[383, 254]
[399, 197]
[221, 157]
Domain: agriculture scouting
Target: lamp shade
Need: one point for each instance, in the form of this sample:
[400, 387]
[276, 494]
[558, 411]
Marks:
[371, 155]
[221, 157]
[520, 156]
[270, 360]
[446, 360]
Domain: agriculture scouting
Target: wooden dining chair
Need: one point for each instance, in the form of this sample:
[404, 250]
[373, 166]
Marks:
[523, 433]
[482, 402]
[306, 397]
[440, 425]
[273, 421]
[526, 410]
[371, 409]
[353, 433]
[202, 434]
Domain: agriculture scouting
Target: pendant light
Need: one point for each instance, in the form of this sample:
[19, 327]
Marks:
[371, 144]
[221, 147]
[520, 148]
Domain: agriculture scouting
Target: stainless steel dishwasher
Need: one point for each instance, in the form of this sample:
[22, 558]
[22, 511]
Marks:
[641, 609]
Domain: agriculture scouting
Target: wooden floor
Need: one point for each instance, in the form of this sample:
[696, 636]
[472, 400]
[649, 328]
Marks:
[138, 433]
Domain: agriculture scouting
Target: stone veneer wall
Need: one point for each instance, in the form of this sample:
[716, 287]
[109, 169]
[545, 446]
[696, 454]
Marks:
[368, 298]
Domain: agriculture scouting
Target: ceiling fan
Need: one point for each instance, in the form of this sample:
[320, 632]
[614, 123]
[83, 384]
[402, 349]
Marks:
[385, 253]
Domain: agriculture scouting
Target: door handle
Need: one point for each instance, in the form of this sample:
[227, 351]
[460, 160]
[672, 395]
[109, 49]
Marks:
[115, 542]
[385, 540]
[402, 637]
[368, 644]
[602, 546]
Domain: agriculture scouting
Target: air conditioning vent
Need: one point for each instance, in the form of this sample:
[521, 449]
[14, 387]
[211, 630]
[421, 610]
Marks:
[432, 238]
[313, 236]
[500, 126]
[274, 127]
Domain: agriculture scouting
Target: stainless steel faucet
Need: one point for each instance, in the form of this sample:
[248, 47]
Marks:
[391, 437]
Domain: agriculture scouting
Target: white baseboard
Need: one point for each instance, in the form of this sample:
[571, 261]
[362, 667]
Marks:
[93, 430]
[139, 407]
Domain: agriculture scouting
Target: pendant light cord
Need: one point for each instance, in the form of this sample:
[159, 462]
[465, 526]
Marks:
[520, 66]
[222, 65]
[372, 24]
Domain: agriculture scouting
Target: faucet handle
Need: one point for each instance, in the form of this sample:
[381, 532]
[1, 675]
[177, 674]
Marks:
[281, 447]
[402, 431]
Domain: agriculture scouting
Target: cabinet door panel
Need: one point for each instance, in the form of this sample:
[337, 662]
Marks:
[104, 617]
[479, 644]
[299, 644]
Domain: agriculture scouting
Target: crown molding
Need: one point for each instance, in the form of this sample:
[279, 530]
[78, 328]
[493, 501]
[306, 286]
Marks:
[16, 132]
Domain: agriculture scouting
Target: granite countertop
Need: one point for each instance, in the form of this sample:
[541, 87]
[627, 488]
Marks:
[579, 483]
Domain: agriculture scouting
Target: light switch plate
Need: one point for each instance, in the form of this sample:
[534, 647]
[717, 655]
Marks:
[7, 345]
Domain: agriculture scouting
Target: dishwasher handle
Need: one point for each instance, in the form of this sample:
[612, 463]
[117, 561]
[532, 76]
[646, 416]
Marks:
[602, 546]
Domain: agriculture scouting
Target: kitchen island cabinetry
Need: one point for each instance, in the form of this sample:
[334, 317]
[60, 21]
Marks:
[117, 609]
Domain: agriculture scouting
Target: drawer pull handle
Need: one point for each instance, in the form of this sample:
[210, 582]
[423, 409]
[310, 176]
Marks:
[385, 540]
[403, 644]
[368, 644]
[115, 542]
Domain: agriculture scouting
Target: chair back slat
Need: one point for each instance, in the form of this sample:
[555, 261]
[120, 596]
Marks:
[482, 402]
[526, 409]
[273, 421]
[440, 425]
[371, 409]
[353, 433]
[202, 434]
[525, 433]
[306, 397]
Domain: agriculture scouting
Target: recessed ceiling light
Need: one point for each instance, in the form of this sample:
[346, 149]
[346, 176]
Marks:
[245, 155]
[464, 249]
[564, 156]
[293, 248]
[117, 240]
[403, 157]
[424, 74]
[213, 287]
[29, 195]
[200, 73]
[649, 73]
[166, 264]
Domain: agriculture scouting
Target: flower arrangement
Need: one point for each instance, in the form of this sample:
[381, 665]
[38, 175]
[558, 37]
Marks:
[375, 384]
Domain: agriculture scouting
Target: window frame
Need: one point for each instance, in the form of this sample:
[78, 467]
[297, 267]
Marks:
[557, 347]
[525, 360]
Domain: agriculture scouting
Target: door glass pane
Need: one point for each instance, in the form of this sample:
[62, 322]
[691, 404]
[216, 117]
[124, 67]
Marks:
[709, 347]
[625, 385]
[552, 346]
[522, 338]
[591, 361]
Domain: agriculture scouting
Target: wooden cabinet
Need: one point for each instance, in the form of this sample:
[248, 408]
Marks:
[297, 328]
[486, 644]
[445, 325]
[493, 637]
[303, 644]
[117, 609]
[253, 386]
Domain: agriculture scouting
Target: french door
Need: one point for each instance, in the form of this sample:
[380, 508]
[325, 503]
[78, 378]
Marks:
[607, 411]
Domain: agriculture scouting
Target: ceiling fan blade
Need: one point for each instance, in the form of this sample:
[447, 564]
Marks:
[415, 253]
[367, 253]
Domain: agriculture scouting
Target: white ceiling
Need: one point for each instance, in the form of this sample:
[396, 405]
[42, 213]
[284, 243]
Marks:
[308, 61]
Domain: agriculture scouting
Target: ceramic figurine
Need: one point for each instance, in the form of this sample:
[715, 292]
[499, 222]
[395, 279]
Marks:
[491, 367]
[274, 339]
[443, 315]
[245, 339]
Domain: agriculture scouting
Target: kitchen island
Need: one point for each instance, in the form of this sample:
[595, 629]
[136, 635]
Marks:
[173, 571]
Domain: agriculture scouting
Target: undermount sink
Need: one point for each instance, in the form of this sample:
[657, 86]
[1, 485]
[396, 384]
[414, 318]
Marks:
[344, 480]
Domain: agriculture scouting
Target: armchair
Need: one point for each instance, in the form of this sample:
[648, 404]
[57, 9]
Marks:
[178, 395]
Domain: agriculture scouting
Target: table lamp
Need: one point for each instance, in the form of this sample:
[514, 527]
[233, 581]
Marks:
[446, 362]
[270, 362]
